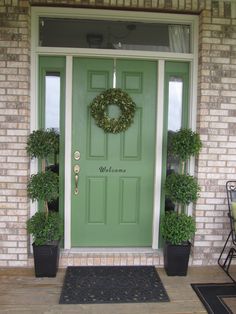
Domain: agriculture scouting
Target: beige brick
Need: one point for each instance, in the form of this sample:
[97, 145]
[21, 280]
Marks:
[18, 132]
[17, 250]
[17, 159]
[211, 40]
[210, 92]
[202, 243]
[208, 157]
[217, 151]
[219, 112]
[17, 263]
[214, 226]
[23, 257]
[8, 256]
[216, 163]
[207, 194]
[220, 21]
[218, 125]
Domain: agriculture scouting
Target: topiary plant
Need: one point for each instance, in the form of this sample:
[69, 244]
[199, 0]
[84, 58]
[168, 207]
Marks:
[44, 186]
[182, 189]
[45, 229]
[184, 144]
[177, 228]
[43, 143]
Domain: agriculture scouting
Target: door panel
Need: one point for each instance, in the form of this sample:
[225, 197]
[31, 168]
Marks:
[114, 206]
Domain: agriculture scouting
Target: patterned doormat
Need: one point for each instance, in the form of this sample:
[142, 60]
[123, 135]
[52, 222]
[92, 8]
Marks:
[112, 284]
[218, 298]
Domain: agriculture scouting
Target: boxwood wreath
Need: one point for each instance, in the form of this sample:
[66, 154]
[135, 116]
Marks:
[118, 97]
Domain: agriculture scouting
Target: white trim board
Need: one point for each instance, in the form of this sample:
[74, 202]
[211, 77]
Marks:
[68, 136]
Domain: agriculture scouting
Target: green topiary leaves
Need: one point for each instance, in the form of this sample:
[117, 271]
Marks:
[45, 228]
[42, 144]
[177, 228]
[43, 186]
[182, 188]
[184, 144]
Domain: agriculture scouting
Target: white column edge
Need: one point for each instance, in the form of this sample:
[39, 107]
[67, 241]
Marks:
[158, 165]
[68, 119]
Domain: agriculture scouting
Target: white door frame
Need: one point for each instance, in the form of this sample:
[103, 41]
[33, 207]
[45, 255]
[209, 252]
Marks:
[160, 57]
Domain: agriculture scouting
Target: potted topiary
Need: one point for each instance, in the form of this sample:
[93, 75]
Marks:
[45, 225]
[177, 227]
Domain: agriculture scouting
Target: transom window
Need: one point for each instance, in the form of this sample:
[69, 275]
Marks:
[106, 34]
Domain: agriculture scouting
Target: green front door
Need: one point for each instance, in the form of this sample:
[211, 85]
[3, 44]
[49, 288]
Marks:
[114, 204]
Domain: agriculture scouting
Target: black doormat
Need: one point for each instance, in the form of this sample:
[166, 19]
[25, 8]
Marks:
[214, 296]
[112, 284]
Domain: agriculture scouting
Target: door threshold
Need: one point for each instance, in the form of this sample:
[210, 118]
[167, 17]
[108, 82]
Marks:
[110, 256]
[144, 250]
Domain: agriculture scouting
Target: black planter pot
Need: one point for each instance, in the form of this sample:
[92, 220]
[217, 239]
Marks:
[176, 259]
[46, 258]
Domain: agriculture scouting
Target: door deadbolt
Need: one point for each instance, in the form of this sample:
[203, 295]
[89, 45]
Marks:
[77, 155]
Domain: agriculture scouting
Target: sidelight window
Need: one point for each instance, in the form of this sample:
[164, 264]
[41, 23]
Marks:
[51, 112]
[52, 100]
[176, 112]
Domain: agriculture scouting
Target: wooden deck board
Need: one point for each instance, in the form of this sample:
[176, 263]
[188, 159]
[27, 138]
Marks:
[22, 293]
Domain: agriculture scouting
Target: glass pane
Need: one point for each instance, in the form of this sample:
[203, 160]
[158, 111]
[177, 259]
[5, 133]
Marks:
[175, 104]
[52, 120]
[179, 38]
[52, 100]
[64, 32]
[174, 116]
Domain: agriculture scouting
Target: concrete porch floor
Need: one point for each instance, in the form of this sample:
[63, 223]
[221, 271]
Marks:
[22, 293]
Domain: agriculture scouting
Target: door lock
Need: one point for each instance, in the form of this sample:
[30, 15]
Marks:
[76, 169]
[77, 155]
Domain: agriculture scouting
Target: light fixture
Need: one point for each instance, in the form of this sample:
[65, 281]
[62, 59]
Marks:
[94, 40]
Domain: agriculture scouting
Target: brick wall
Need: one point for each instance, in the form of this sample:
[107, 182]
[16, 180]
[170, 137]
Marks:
[14, 127]
[216, 124]
[216, 118]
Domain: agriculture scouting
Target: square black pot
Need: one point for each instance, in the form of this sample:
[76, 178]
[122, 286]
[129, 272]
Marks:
[176, 259]
[46, 258]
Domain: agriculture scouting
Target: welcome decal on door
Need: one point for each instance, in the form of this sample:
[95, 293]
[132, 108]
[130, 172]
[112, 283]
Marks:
[111, 169]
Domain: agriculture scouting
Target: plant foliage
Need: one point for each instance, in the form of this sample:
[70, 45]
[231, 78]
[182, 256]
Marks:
[184, 144]
[113, 96]
[42, 144]
[45, 228]
[43, 186]
[177, 228]
[182, 188]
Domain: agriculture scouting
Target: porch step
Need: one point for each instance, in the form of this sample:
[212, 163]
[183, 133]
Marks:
[110, 257]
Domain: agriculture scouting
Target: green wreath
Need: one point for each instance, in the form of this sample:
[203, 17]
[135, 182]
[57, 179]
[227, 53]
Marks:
[113, 96]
